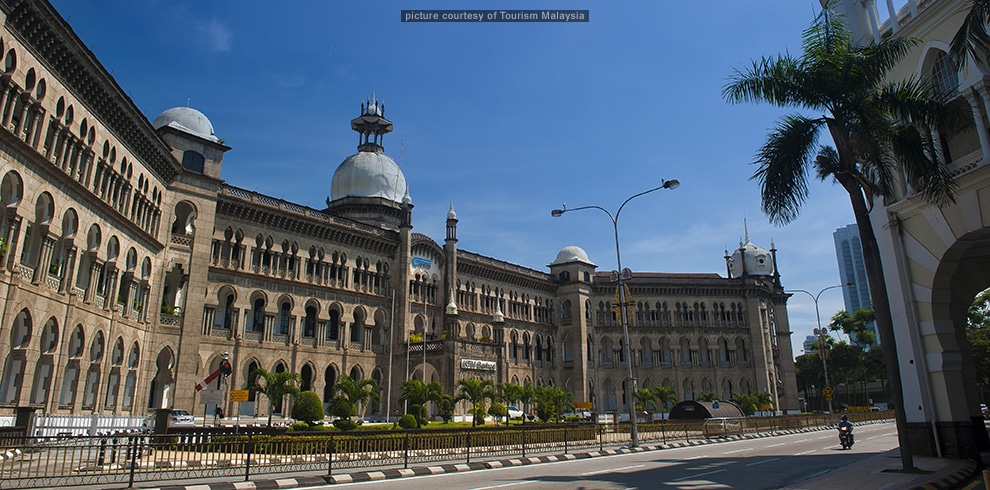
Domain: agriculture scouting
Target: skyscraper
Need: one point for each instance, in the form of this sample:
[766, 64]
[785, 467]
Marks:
[852, 271]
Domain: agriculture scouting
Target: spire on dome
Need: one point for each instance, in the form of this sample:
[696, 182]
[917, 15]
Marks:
[451, 214]
[371, 125]
[746, 229]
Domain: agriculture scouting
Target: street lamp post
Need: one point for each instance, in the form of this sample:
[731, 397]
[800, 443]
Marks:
[631, 394]
[821, 339]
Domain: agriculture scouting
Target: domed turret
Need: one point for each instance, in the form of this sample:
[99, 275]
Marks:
[370, 173]
[188, 120]
[750, 259]
[571, 253]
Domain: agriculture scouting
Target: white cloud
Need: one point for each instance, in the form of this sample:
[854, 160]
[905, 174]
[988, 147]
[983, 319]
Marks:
[216, 34]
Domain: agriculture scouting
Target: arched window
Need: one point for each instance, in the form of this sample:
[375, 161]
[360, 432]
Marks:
[283, 318]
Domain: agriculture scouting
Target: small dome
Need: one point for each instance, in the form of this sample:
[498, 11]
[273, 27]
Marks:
[186, 119]
[369, 174]
[756, 259]
[571, 253]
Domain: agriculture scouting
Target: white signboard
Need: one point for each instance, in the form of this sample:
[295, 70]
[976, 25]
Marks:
[207, 397]
[478, 365]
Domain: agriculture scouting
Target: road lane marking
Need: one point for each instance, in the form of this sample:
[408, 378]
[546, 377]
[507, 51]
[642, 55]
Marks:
[523, 482]
[806, 452]
[761, 462]
[802, 440]
[698, 474]
[738, 451]
[610, 470]
[780, 444]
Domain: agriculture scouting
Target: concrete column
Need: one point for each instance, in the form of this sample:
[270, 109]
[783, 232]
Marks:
[978, 119]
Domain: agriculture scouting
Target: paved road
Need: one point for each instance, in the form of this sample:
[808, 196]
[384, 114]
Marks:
[751, 464]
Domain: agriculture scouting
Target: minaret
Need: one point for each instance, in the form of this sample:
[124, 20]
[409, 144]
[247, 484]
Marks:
[371, 125]
[773, 256]
[450, 251]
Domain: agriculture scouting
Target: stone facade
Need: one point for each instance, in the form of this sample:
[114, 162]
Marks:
[132, 269]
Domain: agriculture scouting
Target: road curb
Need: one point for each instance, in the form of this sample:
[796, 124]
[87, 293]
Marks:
[396, 473]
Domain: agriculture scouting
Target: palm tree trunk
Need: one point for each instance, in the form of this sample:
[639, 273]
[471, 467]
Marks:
[881, 307]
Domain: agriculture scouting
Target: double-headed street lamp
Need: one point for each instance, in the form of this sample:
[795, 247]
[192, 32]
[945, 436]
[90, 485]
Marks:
[631, 394]
[821, 333]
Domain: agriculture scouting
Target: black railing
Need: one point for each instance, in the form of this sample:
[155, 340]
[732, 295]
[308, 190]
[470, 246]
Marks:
[39, 462]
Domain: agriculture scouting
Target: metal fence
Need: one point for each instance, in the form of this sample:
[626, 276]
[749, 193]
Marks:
[204, 453]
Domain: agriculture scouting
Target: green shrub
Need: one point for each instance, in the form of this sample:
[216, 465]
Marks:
[299, 426]
[344, 424]
[307, 407]
[407, 421]
[342, 408]
[498, 410]
[419, 412]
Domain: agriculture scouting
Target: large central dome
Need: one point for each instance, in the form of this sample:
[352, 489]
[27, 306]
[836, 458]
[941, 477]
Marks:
[368, 174]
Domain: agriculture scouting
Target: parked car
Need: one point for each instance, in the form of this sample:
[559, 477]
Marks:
[177, 418]
[514, 412]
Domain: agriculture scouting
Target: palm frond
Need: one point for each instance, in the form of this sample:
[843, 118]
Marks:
[774, 80]
[784, 160]
[923, 168]
[972, 38]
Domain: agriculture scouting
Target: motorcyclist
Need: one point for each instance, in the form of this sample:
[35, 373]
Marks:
[845, 426]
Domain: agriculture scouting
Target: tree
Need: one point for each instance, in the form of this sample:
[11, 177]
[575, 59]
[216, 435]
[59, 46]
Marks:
[708, 396]
[666, 398]
[972, 39]
[855, 326]
[747, 403]
[308, 408]
[844, 84]
[978, 335]
[646, 399]
[445, 407]
[357, 393]
[476, 392]
[552, 401]
[418, 393]
[275, 388]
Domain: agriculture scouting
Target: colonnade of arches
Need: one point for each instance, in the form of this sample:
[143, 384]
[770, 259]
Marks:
[78, 369]
[310, 321]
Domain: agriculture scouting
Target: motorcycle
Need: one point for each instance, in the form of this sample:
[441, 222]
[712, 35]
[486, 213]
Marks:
[846, 437]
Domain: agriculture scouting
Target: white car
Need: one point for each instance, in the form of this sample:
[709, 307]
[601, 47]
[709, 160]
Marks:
[514, 412]
[177, 418]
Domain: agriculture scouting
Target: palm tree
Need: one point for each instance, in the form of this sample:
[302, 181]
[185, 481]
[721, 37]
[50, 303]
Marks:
[357, 392]
[845, 85]
[666, 398]
[972, 38]
[647, 399]
[476, 392]
[276, 387]
[416, 392]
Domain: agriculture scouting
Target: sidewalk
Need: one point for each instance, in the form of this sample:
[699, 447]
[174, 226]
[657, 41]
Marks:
[876, 472]
[882, 472]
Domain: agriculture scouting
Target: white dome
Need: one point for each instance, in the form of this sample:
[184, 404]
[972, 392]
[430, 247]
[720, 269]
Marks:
[571, 253]
[186, 119]
[756, 259]
[369, 174]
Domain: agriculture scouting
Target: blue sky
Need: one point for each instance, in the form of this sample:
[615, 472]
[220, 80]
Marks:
[507, 120]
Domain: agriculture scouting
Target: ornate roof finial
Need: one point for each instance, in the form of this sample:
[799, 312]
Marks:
[745, 229]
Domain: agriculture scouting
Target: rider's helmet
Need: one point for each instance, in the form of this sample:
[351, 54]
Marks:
[845, 418]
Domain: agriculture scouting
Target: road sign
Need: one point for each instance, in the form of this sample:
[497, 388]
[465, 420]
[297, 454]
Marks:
[207, 397]
[827, 391]
[239, 395]
[582, 405]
